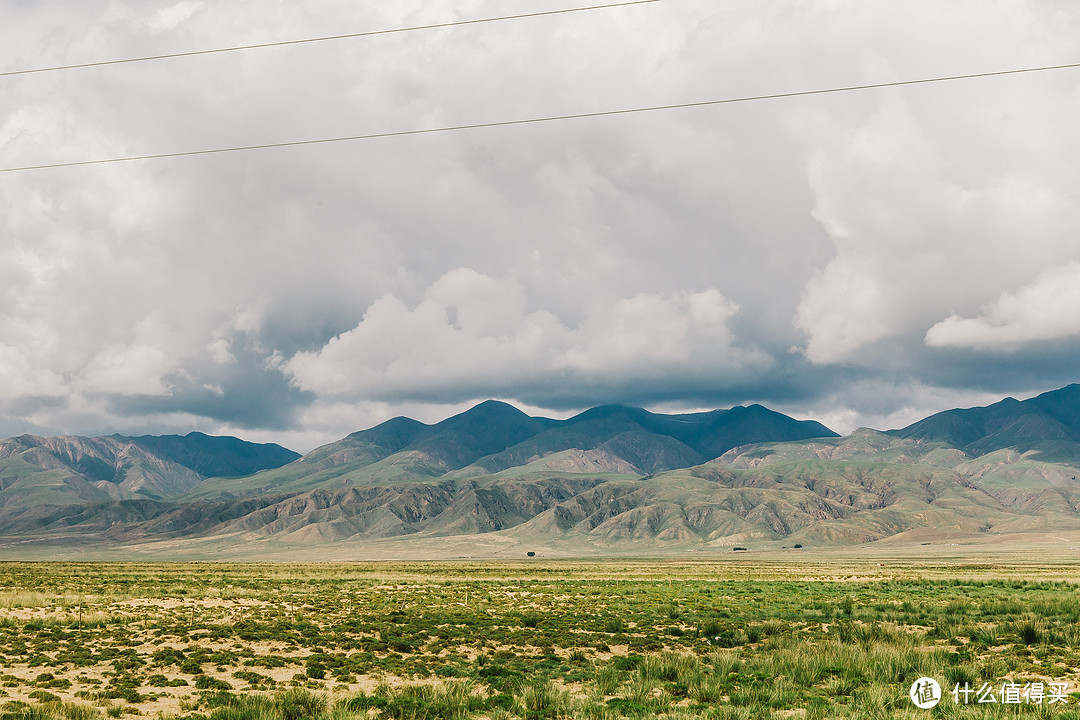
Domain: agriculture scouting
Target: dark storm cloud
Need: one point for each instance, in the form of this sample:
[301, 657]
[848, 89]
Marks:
[863, 258]
[244, 393]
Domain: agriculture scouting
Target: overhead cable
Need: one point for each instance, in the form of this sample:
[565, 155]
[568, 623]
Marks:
[550, 118]
[324, 38]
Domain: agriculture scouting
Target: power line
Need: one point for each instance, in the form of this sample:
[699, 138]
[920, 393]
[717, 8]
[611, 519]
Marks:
[550, 118]
[325, 38]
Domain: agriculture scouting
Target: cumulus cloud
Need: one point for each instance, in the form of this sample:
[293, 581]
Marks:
[20, 378]
[673, 259]
[935, 198]
[472, 335]
[1037, 312]
[127, 369]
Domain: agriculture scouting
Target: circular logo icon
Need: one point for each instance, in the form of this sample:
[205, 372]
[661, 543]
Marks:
[925, 693]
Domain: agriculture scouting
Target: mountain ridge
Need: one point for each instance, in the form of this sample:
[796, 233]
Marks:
[610, 479]
[1006, 423]
[74, 469]
[494, 437]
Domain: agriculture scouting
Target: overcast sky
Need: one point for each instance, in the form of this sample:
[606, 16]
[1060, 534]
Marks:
[864, 258]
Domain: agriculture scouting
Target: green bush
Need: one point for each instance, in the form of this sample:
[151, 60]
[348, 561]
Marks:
[43, 696]
[191, 667]
[205, 682]
[614, 625]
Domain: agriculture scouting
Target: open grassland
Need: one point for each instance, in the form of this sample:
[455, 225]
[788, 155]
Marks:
[589, 639]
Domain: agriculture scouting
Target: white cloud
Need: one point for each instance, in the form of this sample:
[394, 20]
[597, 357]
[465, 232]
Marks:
[136, 365]
[936, 197]
[20, 377]
[1043, 310]
[654, 334]
[912, 237]
[169, 17]
[471, 331]
[657, 255]
[127, 370]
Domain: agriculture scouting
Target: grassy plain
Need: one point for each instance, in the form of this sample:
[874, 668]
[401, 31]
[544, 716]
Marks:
[745, 638]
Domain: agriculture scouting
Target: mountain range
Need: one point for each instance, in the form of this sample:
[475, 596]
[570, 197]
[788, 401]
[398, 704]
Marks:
[612, 479]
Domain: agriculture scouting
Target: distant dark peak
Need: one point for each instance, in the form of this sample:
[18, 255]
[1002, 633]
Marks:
[1010, 422]
[613, 408]
[607, 411]
[1063, 405]
[698, 416]
[1068, 394]
[484, 429]
[399, 432]
[489, 409]
[402, 421]
[494, 404]
[754, 409]
[394, 434]
[745, 411]
[816, 429]
[213, 455]
[393, 425]
[487, 414]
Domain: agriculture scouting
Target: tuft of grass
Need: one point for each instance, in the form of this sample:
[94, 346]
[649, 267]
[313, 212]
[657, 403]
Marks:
[614, 625]
[1031, 630]
[985, 636]
[670, 667]
[248, 707]
[847, 606]
[449, 700]
[606, 679]
[540, 700]
[961, 675]
[301, 704]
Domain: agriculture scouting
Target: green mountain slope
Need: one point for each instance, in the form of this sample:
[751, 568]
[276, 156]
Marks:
[610, 479]
[1034, 475]
[1052, 416]
[811, 501]
[814, 502]
[213, 456]
[64, 470]
[493, 437]
[864, 445]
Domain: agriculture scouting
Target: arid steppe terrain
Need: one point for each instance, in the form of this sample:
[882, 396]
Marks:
[760, 635]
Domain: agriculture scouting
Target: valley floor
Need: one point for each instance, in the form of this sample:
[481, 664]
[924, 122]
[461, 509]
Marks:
[765, 635]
